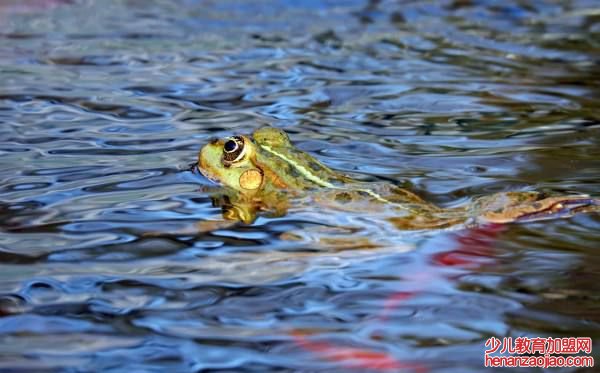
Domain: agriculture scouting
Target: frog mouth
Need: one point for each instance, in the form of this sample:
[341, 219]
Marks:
[208, 176]
[196, 167]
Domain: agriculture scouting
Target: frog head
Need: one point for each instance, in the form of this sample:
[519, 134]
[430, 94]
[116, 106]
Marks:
[232, 162]
[264, 163]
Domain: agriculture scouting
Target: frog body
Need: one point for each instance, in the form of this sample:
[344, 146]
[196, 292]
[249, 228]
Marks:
[266, 173]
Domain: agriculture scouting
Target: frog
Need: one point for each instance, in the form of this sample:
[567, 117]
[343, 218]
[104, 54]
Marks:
[265, 174]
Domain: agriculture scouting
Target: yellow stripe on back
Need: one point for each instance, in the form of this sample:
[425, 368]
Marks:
[315, 179]
[306, 173]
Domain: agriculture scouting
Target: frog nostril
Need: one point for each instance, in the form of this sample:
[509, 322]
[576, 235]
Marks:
[213, 140]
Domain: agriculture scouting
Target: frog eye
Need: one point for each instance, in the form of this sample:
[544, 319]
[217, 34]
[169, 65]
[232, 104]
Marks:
[233, 150]
[230, 146]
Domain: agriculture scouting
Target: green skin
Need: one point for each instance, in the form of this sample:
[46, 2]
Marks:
[288, 172]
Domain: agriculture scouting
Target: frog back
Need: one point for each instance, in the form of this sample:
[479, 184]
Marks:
[297, 168]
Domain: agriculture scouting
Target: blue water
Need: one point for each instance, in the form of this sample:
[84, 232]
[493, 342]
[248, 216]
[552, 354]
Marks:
[110, 257]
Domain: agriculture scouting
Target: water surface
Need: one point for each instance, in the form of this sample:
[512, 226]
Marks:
[104, 104]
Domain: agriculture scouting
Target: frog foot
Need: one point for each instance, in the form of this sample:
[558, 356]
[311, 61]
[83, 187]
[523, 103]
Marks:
[547, 208]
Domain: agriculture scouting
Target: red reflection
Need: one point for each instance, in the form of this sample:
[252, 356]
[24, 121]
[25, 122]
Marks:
[392, 302]
[356, 358]
[474, 249]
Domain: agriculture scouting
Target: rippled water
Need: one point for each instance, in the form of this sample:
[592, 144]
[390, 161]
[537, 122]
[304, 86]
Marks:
[104, 104]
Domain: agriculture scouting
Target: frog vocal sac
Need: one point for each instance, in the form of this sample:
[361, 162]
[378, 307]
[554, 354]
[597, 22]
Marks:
[266, 174]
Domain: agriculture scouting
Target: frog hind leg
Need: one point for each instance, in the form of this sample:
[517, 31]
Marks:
[562, 207]
[530, 206]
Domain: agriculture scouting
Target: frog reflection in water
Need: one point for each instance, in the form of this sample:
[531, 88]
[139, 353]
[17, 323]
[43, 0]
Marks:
[267, 174]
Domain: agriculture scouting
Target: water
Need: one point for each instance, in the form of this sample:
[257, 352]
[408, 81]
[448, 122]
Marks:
[104, 104]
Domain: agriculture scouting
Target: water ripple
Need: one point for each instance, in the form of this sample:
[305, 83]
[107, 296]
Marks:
[114, 257]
